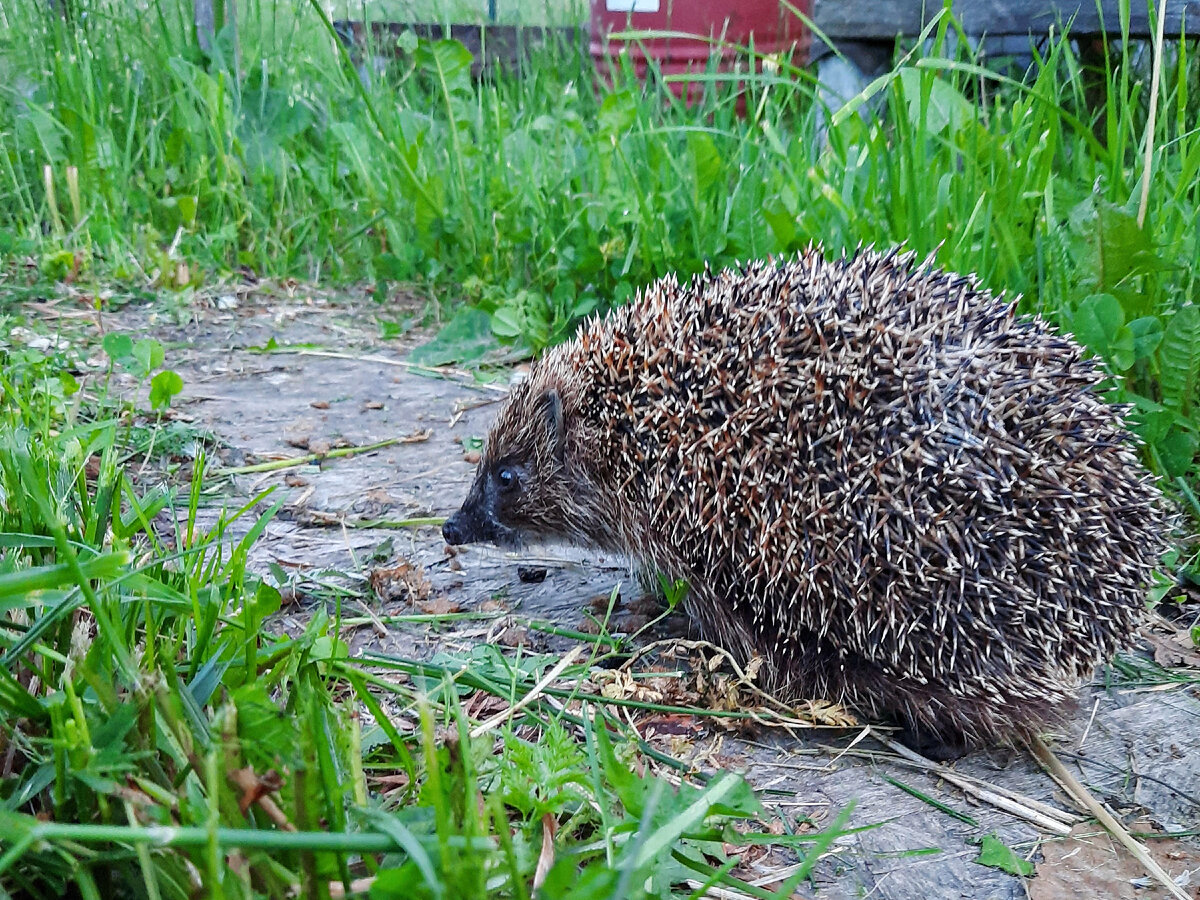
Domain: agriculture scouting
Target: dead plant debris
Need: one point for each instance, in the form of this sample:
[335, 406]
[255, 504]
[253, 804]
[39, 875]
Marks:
[403, 582]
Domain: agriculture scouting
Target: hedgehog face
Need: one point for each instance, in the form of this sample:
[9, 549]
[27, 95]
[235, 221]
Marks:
[519, 493]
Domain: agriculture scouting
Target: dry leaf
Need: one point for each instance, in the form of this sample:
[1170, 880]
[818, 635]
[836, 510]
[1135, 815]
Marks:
[1173, 649]
[441, 606]
[668, 723]
[514, 636]
[403, 581]
[257, 789]
[546, 857]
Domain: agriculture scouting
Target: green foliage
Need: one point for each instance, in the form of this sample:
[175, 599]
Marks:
[995, 853]
[141, 359]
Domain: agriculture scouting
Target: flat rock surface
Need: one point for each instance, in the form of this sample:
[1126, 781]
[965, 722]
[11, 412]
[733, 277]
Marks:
[1138, 749]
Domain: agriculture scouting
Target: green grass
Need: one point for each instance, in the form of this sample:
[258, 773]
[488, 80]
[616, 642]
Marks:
[138, 686]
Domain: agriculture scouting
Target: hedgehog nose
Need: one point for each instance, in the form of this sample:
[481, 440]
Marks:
[454, 529]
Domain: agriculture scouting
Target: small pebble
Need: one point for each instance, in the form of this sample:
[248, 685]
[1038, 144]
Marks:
[531, 574]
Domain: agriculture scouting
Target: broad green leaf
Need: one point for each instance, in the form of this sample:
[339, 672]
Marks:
[618, 111]
[187, 208]
[266, 730]
[506, 322]
[117, 345]
[995, 854]
[267, 601]
[945, 107]
[407, 41]
[1109, 245]
[1150, 420]
[1179, 357]
[1147, 335]
[163, 387]
[781, 222]
[1177, 450]
[149, 353]
[1097, 321]
[706, 160]
[1121, 352]
[448, 62]
[58, 265]
[327, 647]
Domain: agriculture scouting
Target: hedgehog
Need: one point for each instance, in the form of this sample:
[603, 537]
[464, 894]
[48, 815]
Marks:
[871, 473]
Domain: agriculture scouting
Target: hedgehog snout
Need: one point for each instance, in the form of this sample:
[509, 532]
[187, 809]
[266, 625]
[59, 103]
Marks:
[457, 529]
[478, 520]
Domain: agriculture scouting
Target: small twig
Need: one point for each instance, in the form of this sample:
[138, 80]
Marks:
[438, 372]
[1091, 719]
[1039, 814]
[1155, 76]
[866, 732]
[415, 522]
[1145, 776]
[420, 618]
[292, 462]
[718, 893]
[970, 784]
[252, 786]
[547, 679]
[1083, 797]
[370, 619]
[461, 409]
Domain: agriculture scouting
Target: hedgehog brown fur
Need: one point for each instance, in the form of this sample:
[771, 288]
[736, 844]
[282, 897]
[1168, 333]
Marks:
[874, 474]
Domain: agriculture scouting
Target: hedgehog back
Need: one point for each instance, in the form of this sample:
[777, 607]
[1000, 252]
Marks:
[863, 465]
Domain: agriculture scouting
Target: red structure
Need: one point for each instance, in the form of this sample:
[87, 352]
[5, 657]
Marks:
[687, 31]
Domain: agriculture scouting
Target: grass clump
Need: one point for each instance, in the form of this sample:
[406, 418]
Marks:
[158, 739]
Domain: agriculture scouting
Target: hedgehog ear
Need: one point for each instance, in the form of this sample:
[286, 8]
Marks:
[556, 421]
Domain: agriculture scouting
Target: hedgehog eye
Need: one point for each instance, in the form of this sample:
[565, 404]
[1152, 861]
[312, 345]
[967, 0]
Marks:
[507, 476]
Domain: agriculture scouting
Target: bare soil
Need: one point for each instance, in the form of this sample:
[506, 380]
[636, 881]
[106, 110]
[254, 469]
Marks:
[1137, 749]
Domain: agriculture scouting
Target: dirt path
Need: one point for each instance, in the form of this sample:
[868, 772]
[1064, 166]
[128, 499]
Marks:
[1141, 753]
